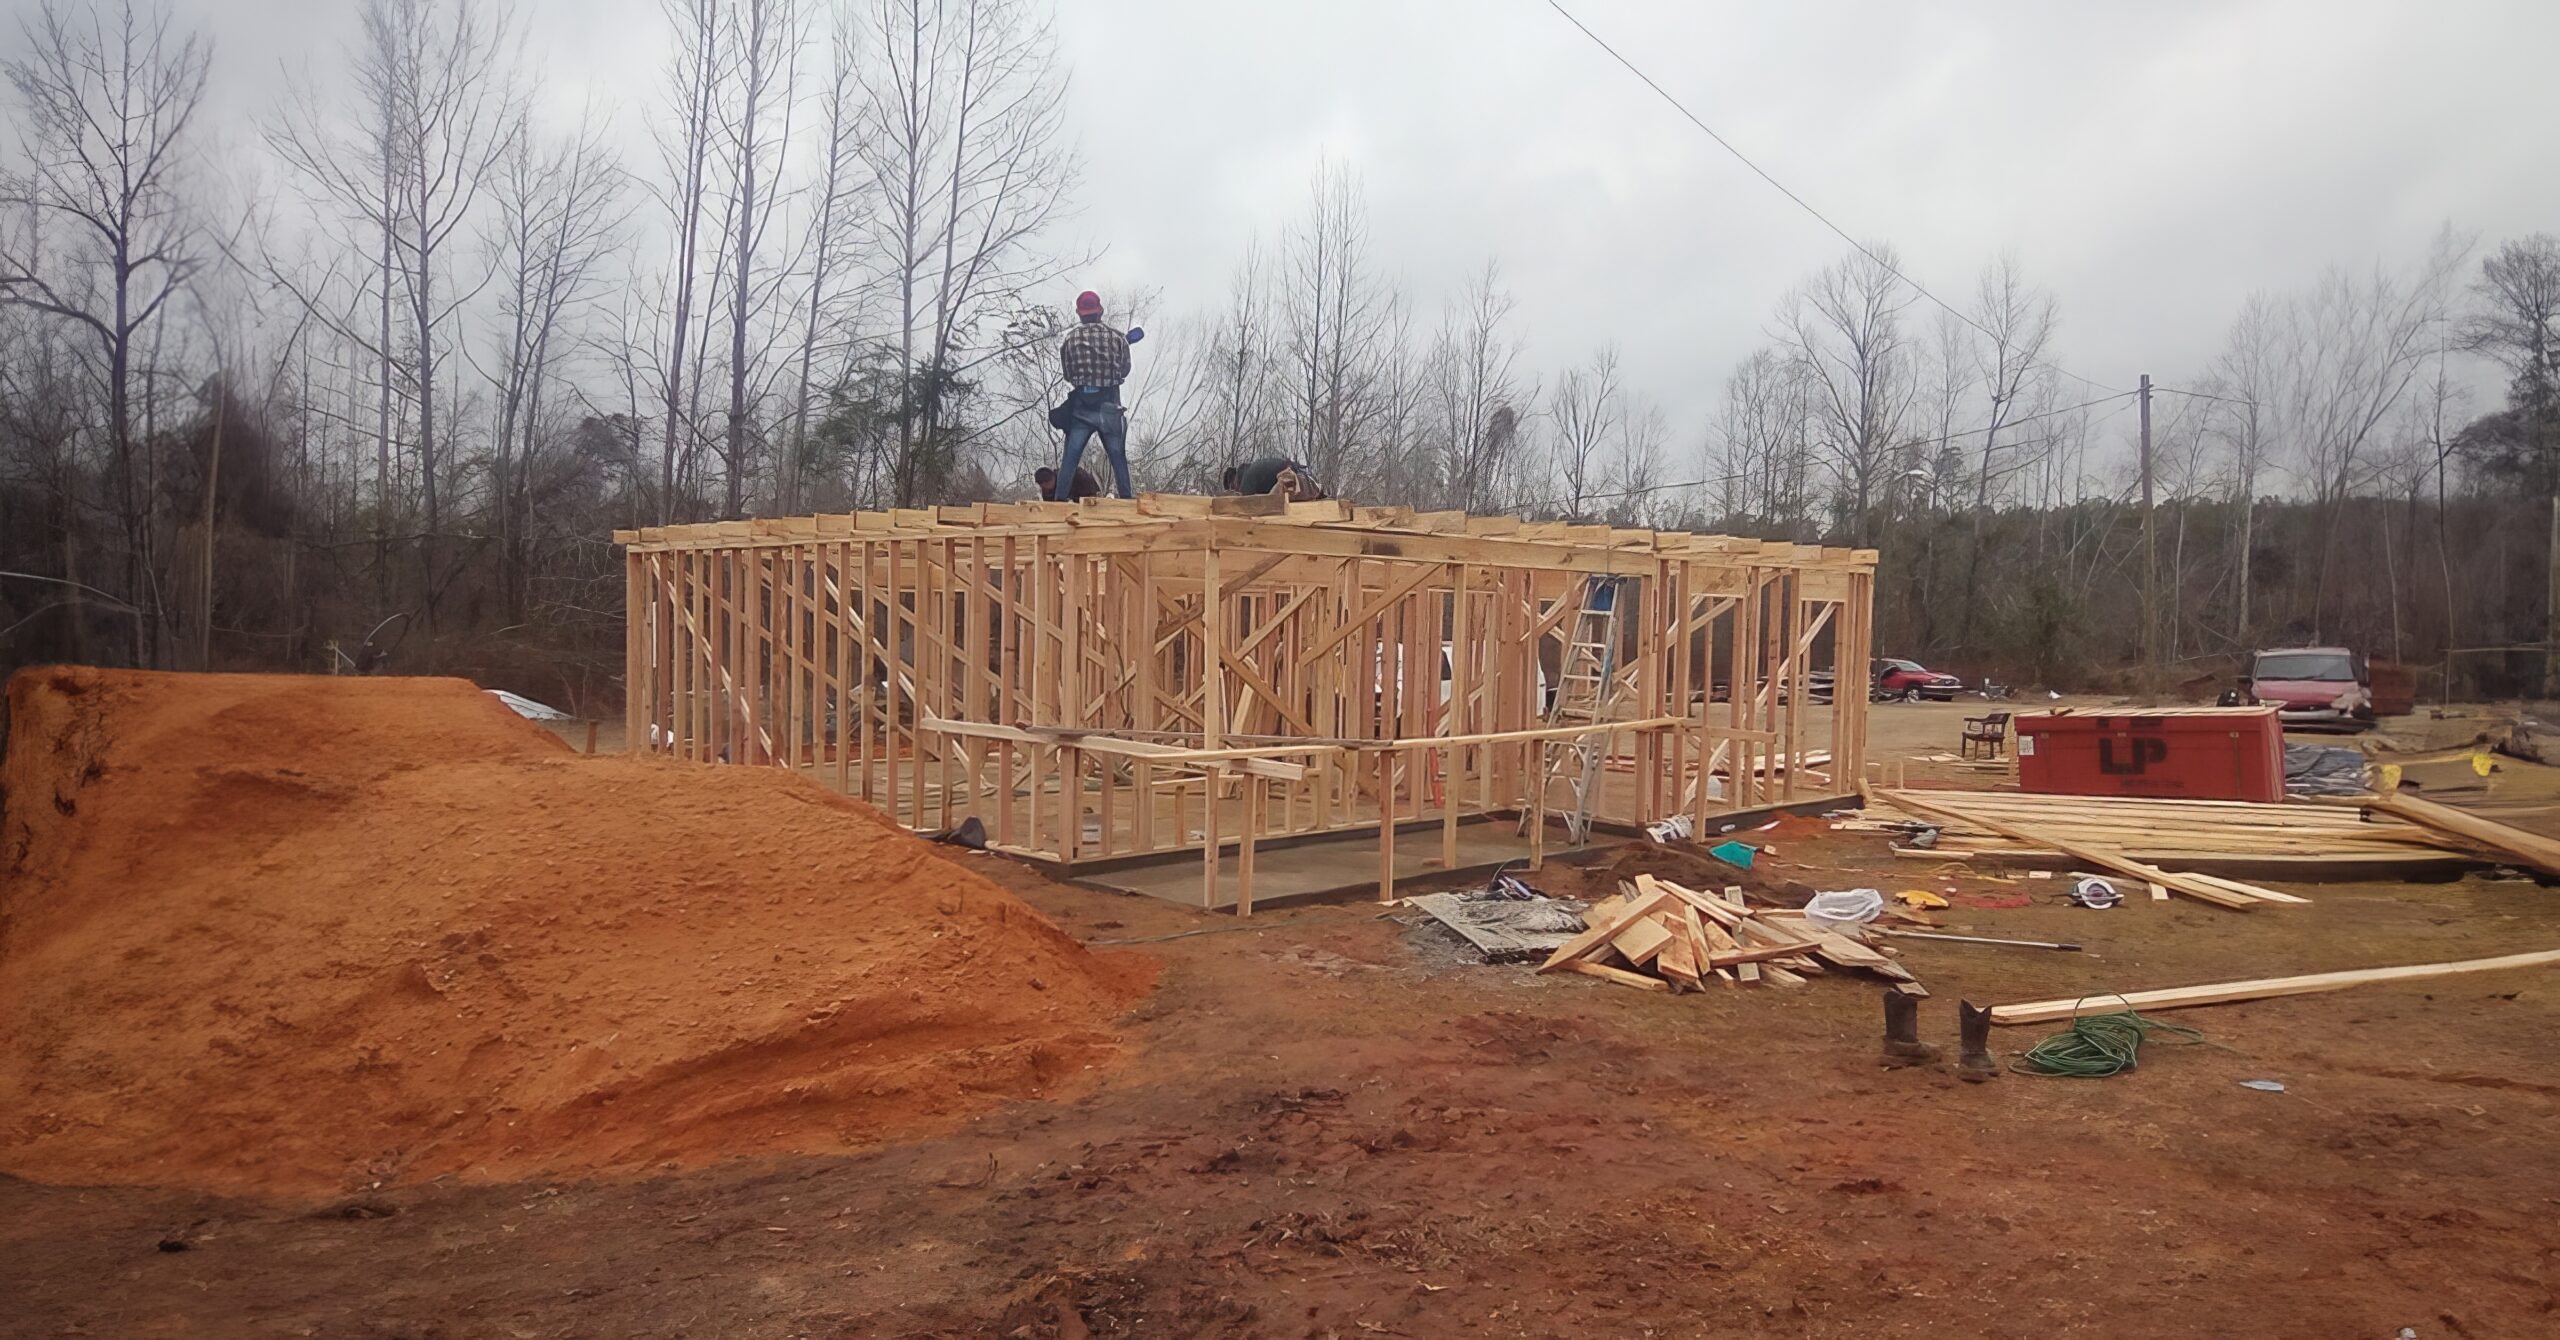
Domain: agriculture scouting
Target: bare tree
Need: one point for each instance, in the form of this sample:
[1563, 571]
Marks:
[104, 104]
[685, 145]
[1337, 314]
[1394, 406]
[831, 243]
[1482, 403]
[2516, 321]
[441, 110]
[2016, 322]
[755, 116]
[965, 149]
[558, 212]
[1761, 458]
[1639, 496]
[1244, 362]
[1586, 409]
[2356, 347]
[2244, 377]
[1844, 330]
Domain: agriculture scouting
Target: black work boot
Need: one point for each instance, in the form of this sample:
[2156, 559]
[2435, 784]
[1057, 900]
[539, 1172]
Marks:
[1974, 1062]
[1902, 1044]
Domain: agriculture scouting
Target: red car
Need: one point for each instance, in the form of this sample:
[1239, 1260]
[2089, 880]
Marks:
[1911, 681]
[2312, 686]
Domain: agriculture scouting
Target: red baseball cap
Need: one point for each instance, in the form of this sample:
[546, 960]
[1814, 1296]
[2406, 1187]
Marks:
[1088, 303]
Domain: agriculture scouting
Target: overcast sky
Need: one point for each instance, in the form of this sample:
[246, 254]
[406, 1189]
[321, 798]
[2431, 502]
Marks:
[2151, 163]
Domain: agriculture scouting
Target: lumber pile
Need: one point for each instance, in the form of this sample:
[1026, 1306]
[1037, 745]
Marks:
[2510, 844]
[2100, 853]
[1659, 936]
[2215, 838]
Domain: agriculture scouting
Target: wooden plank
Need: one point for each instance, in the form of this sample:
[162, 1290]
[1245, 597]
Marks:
[1848, 953]
[1253, 801]
[1213, 624]
[2343, 865]
[1258, 760]
[900, 699]
[1737, 956]
[1694, 929]
[1387, 829]
[2530, 850]
[2182, 997]
[1641, 940]
[1618, 975]
[1678, 961]
[635, 658]
[1370, 613]
[2088, 853]
[1455, 722]
[2248, 890]
[1603, 928]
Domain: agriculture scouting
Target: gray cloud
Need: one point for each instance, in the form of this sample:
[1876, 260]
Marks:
[2152, 164]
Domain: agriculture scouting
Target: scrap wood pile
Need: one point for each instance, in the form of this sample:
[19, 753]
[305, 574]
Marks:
[1661, 936]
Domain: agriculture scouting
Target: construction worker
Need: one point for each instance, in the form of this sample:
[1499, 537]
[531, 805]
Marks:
[1086, 486]
[1273, 474]
[1094, 357]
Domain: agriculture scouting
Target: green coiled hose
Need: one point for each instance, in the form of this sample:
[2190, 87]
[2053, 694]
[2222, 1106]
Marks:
[2098, 1045]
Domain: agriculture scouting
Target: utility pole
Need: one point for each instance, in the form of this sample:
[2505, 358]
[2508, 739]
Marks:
[2150, 565]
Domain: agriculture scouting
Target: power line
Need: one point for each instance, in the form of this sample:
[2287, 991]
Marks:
[1938, 441]
[2200, 395]
[1801, 202]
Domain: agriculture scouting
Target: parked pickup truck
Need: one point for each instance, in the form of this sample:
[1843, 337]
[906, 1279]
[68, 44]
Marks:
[2312, 686]
[1911, 681]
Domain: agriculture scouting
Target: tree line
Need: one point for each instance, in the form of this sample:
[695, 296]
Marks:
[388, 361]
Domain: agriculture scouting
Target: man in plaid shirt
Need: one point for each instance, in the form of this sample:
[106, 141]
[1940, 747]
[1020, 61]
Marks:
[1095, 359]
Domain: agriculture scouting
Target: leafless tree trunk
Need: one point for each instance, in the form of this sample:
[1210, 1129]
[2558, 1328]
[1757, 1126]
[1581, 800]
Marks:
[2358, 345]
[1586, 408]
[557, 215]
[435, 81]
[2010, 369]
[1336, 312]
[1634, 479]
[698, 69]
[765, 38]
[1241, 374]
[456, 115]
[1482, 404]
[2517, 322]
[831, 239]
[1844, 329]
[104, 103]
[2245, 373]
[965, 150]
[1762, 454]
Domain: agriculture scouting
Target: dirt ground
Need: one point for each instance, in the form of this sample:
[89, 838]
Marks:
[1330, 1124]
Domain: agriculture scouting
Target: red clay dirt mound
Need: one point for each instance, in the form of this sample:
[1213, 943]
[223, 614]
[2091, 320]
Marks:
[294, 935]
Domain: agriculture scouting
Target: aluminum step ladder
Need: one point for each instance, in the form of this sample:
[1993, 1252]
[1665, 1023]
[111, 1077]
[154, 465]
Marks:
[1586, 689]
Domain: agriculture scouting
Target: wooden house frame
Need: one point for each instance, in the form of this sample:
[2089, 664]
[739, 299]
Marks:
[1108, 679]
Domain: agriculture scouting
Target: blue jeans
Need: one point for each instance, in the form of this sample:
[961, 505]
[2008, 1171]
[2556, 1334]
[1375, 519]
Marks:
[1089, 417]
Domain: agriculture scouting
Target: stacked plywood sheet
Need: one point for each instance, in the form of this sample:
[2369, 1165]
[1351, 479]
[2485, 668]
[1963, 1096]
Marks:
[1661, 936]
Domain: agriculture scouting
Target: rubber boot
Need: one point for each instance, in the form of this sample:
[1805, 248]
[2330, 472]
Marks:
[1902, 1044]
[1974, 1063]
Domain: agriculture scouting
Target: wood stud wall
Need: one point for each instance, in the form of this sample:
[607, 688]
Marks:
[1110, 679]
